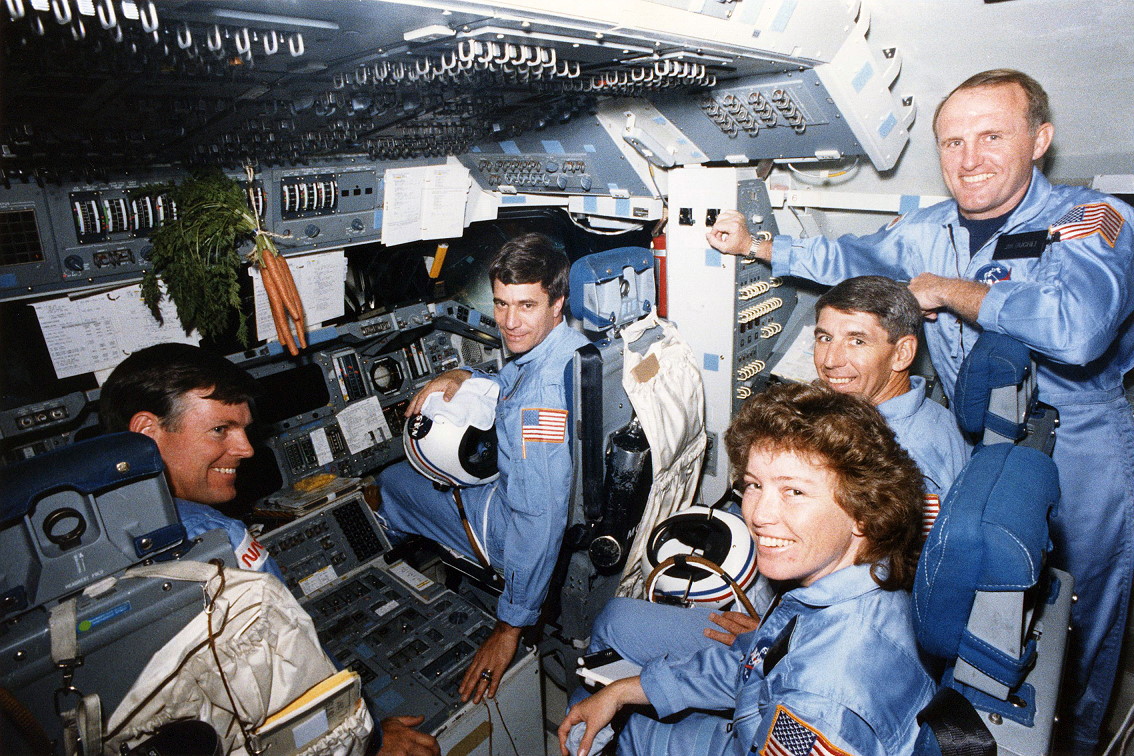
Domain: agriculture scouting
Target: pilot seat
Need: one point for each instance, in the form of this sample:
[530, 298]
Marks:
[985, 603]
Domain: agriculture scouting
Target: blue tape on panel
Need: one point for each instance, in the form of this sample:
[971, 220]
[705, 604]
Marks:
[622, 208]
[887, 126]
[90, 624]
[712, 257]
[513, 199]
[783, 17]
[553, 147]
[863, 76]
[589, 148]
[510, 148]
[748, 13]
[590, 204]
[388, 700]
[323, 334]
[712, 362]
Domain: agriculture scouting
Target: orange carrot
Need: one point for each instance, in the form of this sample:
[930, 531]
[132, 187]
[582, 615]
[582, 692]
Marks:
[279, 316]
[291, 300]
[272, 262]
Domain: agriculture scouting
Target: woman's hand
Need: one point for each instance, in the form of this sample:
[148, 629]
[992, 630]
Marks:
[734, 624]
[598, 710]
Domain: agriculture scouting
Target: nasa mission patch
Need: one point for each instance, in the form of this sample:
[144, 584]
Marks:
[992, 273]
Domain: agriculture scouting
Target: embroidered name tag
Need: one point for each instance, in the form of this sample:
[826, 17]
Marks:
[1029, 244]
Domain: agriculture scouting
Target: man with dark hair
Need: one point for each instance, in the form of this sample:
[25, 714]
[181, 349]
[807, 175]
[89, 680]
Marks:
[519, 518]
[865, 341]
[1051, 266]
[195, 406]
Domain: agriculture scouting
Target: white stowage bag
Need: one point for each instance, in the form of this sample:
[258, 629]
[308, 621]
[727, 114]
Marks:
[665, 387]
[268, 651]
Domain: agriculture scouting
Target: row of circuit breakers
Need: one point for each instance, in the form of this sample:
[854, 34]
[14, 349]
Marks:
[56, 238]
[337, 408]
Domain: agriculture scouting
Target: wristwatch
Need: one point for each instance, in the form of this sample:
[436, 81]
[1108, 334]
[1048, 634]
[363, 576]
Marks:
[757, 238]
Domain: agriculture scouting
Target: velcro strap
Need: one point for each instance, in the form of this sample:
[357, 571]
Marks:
[994, 662]
[61, 624]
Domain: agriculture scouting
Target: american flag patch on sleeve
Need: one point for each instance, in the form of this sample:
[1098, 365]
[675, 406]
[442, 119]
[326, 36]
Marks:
[791, 736]
[929, 512]
[1085, 220]
[549, 425]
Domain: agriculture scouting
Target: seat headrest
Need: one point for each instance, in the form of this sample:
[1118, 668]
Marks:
[991, 535]
[87, 467]
[79, 513]
[614, 288]
[996, 361]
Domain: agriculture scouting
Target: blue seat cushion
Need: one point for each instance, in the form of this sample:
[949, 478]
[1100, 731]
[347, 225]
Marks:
[991, 535]
[994, 362]
[596, 296]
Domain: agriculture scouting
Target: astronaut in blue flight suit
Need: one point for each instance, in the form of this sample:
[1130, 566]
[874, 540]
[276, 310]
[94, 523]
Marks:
[250, 553]
[521, 517]
[834, 667]
[1051, 266]
[195, 406]
[865, 341]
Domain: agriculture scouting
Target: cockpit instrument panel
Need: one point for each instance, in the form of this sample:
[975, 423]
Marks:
[339, 409]
[407, 637]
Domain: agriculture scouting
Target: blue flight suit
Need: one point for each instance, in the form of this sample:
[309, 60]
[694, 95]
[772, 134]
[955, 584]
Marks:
[644, 630]
[250, 553]
[930, 434]
[1072, 306]
[836, 660]
[522, 515]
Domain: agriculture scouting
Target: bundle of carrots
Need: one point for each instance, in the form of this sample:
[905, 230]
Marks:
[283, 297]
[196, 256]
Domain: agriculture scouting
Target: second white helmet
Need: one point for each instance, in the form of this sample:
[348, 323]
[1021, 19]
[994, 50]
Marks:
[716, 535]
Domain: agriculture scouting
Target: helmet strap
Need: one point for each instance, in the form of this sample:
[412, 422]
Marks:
[476, 550]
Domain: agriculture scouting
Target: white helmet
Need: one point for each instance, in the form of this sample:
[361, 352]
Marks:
[454, 443]
[720, 543]
[451, 454]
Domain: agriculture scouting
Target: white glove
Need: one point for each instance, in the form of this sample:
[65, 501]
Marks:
[575, 737]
